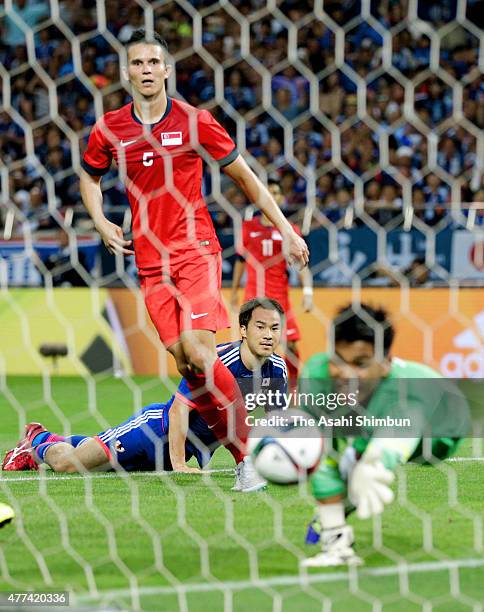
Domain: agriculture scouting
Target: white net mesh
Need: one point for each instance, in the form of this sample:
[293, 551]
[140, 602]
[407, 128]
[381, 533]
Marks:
[369, 115]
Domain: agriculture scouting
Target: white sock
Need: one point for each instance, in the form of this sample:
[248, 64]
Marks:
[331, 515]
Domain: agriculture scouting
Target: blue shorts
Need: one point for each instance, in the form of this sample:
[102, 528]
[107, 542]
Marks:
[141, 442]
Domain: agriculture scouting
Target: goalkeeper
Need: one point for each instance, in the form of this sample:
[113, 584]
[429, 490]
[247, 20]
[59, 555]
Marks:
[359, 472]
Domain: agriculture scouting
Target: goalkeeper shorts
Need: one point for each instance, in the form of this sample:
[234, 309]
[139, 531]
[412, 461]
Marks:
[327, 481]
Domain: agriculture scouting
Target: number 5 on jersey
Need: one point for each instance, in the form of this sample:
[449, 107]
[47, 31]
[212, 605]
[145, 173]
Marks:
[148, 158]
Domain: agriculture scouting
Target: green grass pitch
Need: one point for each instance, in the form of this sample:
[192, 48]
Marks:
[189, 543]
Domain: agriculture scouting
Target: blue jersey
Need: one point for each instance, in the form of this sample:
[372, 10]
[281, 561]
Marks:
[229, 355]
[141, 442]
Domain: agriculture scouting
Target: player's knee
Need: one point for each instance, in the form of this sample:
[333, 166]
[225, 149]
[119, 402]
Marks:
[199, 358]
[63, 464]
[178, 353]
[183, 367]
[196, 363]
[199, 350]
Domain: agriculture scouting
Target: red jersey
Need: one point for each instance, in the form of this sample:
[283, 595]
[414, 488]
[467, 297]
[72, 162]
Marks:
[266, 265]
[162, 168]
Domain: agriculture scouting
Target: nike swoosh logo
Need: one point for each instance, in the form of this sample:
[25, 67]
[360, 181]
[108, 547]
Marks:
[197, 316]
[255, 234]
[125, 143]
[16, 453]
[333, 539]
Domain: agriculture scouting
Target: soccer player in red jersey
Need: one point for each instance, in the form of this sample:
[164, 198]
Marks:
[159, 144]
[261, 251]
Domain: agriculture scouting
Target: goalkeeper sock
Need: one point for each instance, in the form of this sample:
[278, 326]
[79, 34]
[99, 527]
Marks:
[332, 515]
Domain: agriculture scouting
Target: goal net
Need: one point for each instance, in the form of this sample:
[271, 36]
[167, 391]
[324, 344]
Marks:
[368, 118]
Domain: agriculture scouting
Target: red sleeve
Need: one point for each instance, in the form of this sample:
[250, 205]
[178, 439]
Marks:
[215, 140]
[97, 156]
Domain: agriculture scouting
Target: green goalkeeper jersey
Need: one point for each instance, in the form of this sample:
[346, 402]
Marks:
[433, 404]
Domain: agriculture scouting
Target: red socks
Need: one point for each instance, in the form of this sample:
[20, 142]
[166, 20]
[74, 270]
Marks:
[292, 364]
[221, 404]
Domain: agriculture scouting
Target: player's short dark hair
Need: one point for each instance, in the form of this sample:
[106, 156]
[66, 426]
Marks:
[246, 310]
[353, 323]
[142, 36]
[273, 181]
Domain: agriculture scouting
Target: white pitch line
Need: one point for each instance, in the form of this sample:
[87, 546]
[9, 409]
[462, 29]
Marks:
[37, 477]
[95, 476]
[279, 581]
[456, 459]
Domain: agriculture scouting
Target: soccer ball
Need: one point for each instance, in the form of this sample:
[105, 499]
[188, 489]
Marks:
[283, 451]
[6, 514]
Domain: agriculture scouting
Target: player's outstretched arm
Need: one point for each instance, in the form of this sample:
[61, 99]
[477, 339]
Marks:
[239, 268]
[306, 280]
[240, 172]
[177, 436]
[111, 234]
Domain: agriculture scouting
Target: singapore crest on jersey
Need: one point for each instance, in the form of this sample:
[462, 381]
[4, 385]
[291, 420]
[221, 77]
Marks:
[169, 139]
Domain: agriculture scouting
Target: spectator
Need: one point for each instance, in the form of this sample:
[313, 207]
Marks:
[239, 96]
[436, 197]
[134, 21]
[64, 272]
[437, 101]
[418, 202]
[417, 273]
[387, 207]
[284, 102]
[373, 192]
[405, 165]
[256, 135]
[450, 157]
[29, 11]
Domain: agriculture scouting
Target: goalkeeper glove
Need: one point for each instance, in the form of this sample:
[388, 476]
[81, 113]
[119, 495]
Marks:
[368, 484]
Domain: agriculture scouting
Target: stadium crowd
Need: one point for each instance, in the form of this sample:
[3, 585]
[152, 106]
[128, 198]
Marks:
[380, 137]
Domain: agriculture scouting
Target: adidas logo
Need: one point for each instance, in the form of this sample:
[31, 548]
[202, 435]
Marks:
[465, 364]
[469, 338]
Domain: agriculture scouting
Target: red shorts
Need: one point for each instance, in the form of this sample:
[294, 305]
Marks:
[189, 298]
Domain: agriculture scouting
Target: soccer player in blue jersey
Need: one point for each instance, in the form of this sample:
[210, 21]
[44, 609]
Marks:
[146, 441]
[139, 443]
[255, 366]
